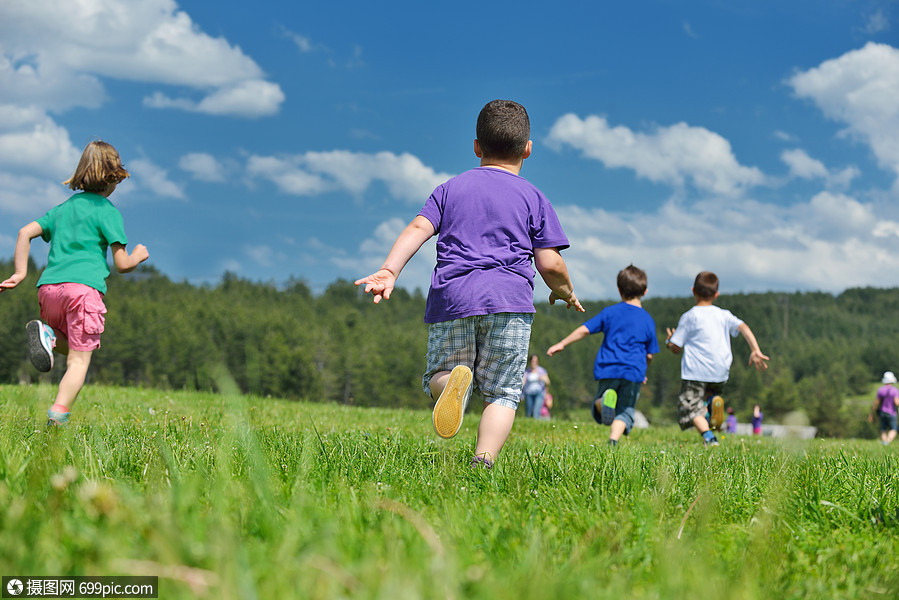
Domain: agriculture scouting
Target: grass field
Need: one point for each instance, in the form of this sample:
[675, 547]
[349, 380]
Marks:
[224, 496]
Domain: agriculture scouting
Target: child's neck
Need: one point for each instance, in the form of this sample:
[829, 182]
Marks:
[705, 301]
[633, 302]
[514, 168]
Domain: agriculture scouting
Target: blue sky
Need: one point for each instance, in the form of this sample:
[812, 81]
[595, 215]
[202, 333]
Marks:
[282, 140]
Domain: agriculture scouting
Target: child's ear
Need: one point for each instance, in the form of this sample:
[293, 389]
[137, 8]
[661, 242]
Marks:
[477, 149]
[527, 150]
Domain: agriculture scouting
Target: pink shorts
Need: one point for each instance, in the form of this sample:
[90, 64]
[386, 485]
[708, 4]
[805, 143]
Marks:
[74, 310]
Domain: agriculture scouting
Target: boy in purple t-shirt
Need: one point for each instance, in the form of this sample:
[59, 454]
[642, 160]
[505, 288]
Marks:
[628, 343]
[886, 404]
[490, 223]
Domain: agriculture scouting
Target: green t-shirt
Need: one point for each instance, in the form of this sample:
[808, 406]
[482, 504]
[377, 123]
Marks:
[79, 231]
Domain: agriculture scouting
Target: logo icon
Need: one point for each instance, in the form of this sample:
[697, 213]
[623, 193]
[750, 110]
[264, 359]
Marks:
[14, 587]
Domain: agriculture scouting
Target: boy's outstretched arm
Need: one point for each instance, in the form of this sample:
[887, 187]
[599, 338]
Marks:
[381, 282]
[673, 347]
[23, 247]
[125, 263]
[756, 358]
[576, 335]
[552, 268]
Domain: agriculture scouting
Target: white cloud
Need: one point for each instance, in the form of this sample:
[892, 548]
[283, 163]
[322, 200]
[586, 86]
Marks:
[31, 140]
[51, 47]
[829, 243]
[155, 178]
[204, 167]
[672, 155]
[877, 23]
[804, 166]
[405, 176]
[860, 89]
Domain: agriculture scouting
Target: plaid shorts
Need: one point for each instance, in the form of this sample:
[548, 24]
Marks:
[693, 400]
[494, 347]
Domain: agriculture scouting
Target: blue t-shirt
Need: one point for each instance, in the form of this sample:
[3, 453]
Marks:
[488, 222]
[630, 334]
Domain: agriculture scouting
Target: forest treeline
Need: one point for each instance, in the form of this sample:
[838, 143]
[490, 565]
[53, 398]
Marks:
[337, 346]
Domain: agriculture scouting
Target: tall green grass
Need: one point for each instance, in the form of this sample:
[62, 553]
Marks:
[224, 496]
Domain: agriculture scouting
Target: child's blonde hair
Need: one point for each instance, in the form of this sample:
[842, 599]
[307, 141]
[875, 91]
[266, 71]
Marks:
[100, 165]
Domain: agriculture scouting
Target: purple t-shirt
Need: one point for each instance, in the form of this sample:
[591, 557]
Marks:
[488, 222]
[888, 396]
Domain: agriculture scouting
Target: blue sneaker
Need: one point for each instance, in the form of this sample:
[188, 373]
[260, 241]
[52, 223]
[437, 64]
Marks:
[451, 404]
[41, 341]
[55, 418]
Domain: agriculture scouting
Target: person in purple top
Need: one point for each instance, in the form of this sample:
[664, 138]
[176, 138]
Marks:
[886, 404]
[731, 423]
[490, 225]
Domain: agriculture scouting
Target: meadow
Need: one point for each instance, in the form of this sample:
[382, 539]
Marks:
[233, 496]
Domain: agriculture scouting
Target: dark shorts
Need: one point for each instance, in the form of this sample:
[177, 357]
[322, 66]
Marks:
[693, 400]
[628, 393]
[887, 422]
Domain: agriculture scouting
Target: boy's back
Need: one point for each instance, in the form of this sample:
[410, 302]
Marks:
[704, 333]
[488, 222]
[630, 335]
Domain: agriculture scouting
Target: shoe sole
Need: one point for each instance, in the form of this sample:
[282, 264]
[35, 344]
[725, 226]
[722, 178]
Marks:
[608, 401]
[450, 407]
[717, 412]
[40, 358]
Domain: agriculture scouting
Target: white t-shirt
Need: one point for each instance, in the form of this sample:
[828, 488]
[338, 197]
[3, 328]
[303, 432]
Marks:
[702, 332]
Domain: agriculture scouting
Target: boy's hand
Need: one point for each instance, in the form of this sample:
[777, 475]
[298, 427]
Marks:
[570, 301]
[555, 348]
[380, 284]
[670, 331]
[757, 359]
[14, 280]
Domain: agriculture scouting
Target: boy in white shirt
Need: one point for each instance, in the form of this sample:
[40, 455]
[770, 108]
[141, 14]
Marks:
[703, 334]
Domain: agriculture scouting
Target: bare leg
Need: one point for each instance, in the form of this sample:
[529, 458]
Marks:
[73, 380]
[618, 427]
[700, 424]
[438, 382]
[891, 435]
[493, 430]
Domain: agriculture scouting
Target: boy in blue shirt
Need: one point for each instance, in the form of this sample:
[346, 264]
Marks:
[626, 351]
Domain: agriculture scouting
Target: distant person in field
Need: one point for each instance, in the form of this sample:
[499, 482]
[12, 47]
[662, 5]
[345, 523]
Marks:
[731, 421]
[886, 407]
[628, 343]
[757, 416]
[490, 224]
[536, 381]
[703, 335]
[71, 288]
[547, 406]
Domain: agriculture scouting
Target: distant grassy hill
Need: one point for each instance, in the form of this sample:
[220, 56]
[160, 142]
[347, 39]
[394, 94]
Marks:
[284, 341]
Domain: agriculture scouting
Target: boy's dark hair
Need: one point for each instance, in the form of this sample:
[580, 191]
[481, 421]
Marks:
[631, 282]
[503, 130]
[706, 285]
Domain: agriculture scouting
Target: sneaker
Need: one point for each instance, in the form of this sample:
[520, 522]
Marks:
[717, 413]
[609, 402]
[712, 442]
[41, 341]
[451, 404]
[57, 418]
